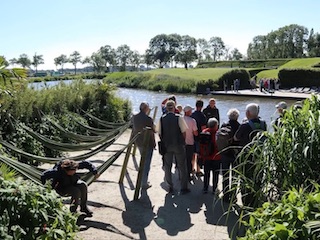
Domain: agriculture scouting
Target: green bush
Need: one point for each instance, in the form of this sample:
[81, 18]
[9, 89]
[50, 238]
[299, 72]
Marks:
[305, 77]
[289, 218]
[242, 74]
[29, 211]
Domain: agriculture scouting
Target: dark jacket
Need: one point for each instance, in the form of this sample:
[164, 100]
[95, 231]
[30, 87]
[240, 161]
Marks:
[211, 112]
[60, 179]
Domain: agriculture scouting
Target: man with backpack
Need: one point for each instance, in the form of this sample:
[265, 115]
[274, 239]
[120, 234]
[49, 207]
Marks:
[254, 123]
[244, 135]
[225, 140]
[210, 155]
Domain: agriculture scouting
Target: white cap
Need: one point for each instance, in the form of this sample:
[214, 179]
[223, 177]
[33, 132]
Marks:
[282, 105]
[187, 108]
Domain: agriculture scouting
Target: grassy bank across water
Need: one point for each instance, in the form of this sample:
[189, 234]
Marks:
[179, 80]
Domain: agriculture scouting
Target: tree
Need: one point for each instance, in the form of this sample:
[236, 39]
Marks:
[148, 58]
[236, 54]
[98, 62]
[107, 53]
[75, 58]
[37, 60]
[163, 48]
[6, 74]
[123, 56]
[13, 61]
[286, 42]
[187, 50]
[217, 47]
[24, 61]
[203, 50]
[87, 60]
[135, 59]
[61, 60]
[313, 44]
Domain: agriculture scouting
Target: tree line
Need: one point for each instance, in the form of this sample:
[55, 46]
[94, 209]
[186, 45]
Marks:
[292, 41]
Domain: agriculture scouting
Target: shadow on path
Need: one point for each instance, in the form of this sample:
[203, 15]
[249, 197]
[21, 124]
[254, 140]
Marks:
[138, 214]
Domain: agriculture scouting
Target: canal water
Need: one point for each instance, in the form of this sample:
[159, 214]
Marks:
[223, 103]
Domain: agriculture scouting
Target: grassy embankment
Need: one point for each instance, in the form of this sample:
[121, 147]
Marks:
[177, 80]
[296, 63]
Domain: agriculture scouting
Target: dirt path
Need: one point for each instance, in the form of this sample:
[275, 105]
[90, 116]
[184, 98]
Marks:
[156, 215]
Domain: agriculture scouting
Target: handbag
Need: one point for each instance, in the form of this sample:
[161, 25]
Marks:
[161, 148]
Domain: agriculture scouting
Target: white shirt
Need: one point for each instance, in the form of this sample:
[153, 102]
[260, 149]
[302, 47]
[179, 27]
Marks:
[192, 126]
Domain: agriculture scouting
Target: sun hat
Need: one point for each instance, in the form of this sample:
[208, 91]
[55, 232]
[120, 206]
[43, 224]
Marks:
[282, 105]
[187, 108]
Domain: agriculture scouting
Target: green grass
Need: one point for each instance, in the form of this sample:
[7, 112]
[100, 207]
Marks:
[296, 63]
[193, 73]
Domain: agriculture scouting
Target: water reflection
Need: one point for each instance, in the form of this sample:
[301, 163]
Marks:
[224, 103]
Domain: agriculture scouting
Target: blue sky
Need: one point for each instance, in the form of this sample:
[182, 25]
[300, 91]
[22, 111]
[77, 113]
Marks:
[55, 27]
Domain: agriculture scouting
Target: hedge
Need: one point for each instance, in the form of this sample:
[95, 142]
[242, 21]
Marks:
[299, 77]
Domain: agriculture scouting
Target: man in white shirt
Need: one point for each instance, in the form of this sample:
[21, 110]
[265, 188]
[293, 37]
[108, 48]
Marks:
[190, 133]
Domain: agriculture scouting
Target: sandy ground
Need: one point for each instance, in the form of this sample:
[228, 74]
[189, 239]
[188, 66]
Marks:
[156, 214]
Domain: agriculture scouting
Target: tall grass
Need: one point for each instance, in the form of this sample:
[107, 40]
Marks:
[288, 157]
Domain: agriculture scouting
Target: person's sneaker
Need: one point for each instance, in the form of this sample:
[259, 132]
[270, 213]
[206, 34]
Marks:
[185, 191]
[86, 211]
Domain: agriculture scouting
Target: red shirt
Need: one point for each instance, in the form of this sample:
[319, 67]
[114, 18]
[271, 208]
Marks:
[214, 155]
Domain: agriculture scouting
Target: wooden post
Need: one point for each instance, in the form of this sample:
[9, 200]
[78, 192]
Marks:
[125, 162]
[146, 136]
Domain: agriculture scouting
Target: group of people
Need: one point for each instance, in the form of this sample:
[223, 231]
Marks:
[180, 132]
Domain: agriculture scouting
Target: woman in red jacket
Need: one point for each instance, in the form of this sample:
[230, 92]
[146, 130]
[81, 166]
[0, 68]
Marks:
[213, 160]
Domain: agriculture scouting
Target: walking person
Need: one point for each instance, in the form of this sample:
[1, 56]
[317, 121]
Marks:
[212, 161]
[140, 122]
[191, 132]
[172, 131]
[67, 183]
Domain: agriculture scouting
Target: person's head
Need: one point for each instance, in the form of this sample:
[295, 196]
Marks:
[69, 166]
[213, 123]
[199, 105]
[281, 107]
[179, 107]
[144, 107]
[233, 114]
[173, 98]
[252, 111]
[212, 102]
[187, 110]
[170, 106]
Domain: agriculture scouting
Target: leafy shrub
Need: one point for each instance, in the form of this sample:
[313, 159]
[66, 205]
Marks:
[288, 218]
[29, 211]
[307, 77]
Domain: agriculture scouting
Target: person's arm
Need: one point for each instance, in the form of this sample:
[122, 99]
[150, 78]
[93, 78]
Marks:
[195, 128]
[183, 126]
[88, 165]
[48, 174]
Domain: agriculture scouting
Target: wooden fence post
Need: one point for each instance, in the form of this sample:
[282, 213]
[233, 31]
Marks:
[125, 162]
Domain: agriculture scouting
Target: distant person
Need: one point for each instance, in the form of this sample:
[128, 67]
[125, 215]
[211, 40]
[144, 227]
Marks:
[141, 121]
[211, 110]
[191, 132]
[201, 120]
[211, 162]
[281, 109]
[180, 109]
[172, 131]
[67, 182]
[237, 85]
